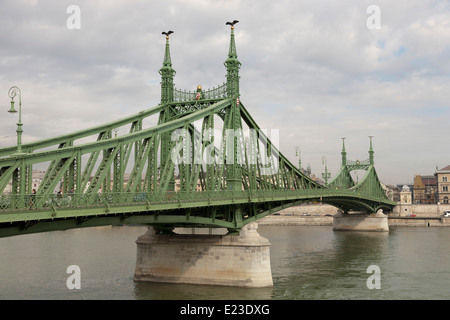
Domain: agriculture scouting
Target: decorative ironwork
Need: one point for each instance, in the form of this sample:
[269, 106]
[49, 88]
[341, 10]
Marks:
[215, 93]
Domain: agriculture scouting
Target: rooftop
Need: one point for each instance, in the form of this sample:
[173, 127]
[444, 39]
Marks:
[447, 168]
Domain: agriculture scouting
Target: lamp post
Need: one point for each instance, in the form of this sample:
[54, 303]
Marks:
[297, 154]
[325, 175]
[12, 93]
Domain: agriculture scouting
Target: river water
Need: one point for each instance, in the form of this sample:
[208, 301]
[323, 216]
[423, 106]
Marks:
[313, 263]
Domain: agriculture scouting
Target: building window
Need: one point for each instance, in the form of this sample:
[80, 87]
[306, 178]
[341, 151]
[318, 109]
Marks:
[445, 188]
[444, 179]
[445, 199]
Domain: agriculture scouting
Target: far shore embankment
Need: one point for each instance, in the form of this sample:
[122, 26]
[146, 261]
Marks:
[322, 215]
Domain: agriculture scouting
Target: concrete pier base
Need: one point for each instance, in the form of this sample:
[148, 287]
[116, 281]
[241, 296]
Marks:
[231, 260]
[360, 222]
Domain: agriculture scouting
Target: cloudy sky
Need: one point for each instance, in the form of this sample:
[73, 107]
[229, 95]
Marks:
[316, 70]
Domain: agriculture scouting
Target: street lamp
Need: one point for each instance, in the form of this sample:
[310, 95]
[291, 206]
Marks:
[12, 93]
[297, 154]
[325, 175]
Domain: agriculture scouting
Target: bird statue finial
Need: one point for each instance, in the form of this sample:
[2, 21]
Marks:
[167, 34]
[232, 23]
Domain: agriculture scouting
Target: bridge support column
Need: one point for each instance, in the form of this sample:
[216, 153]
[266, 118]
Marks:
[360, 222]
[231, 260]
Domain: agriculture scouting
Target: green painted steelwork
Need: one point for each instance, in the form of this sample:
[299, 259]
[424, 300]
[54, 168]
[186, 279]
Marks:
[225, 172]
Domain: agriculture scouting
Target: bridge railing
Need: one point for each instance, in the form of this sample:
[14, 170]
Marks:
[16, 203]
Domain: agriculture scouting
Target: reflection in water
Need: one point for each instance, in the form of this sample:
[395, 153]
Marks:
[306, 263]
[166, 291]
[317, 263]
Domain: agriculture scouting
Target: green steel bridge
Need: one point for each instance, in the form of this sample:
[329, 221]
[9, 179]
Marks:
[204, 163]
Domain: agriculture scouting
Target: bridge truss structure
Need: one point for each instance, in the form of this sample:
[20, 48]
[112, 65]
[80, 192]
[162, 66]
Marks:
[204, 162]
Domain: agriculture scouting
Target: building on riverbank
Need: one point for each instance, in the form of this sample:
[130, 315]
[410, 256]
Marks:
[425, 189]
[432, 189]
[443, 184]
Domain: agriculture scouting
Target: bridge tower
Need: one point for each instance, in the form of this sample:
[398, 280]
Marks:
[239, 258]
[234, 174]
[167, 89]
[356, 221]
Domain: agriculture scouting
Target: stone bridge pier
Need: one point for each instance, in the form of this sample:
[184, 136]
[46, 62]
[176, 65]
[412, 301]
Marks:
[360, 221]
[231, 260]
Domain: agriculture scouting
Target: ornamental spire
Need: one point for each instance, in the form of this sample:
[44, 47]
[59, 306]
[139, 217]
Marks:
[232, 64]
[371, 151]
[232, 51]
[344, 153]
[167, 73]
[167, 61]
